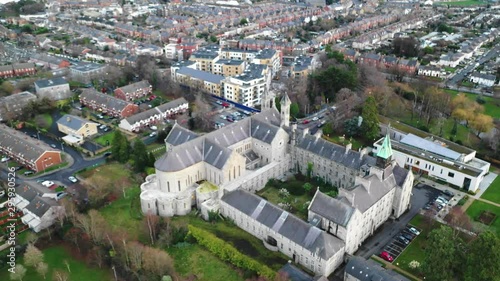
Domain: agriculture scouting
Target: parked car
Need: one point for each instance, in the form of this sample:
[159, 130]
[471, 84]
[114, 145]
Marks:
[218, 102]
[229, 119]
[408, 236]
[222, 117]
[18, 168]
[106, 129]
[100, 116]
[321, 124]
[102, 127]
[315, 118]
[106, 154]
[225, 104]
[27, 173]
[305, 122]
[403, 240]
[53, 145]
[72, 179]
[5, 159]
[152, 134]
[48, 183]
[414, 230]
[386, 256]
[449, 193]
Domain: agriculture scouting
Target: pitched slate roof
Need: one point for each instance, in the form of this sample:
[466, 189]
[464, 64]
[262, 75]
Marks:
[100, 98]
[155, 110]
[370, 189]
[21, 144]
[190, 149]
[331, 208]
[179, 135]
[201, 75]
[134, 87]
[368, 270]
[39, 206]
[73, 122]
[333, 152]
[284, 223]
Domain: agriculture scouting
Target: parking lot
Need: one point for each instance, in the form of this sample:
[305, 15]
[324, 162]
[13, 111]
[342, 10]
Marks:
[399, 242]
[226, 113]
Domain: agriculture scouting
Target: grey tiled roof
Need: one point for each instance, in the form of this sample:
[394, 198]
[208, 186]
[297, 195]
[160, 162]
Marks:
[179, 135]
[331, 208]
[100, 98]
[201, 75]
[263, 131]
[334, 152]
[50, 82]
[400, 174]
[284, 223]
[131, 88]
[27, 192]
[368, 270]
[72, 121]
[21, 144]
[39, 206]
[155, 110]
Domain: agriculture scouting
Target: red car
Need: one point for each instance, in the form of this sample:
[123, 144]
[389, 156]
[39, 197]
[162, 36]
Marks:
[305, 122]
[152, 97]
[225, 104]
[386, 256]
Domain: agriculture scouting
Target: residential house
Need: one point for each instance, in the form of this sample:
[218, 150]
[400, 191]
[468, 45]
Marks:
[76, 126]
[39, 206]
[154, 115]
[134, 91]
[12, 106]
[49, 62]
[482, 79]
[107, 104]
[409, 66]
[6, 71]
[370, 59]
[23, 69]
[29, 152]
[431, 71]
[53, 89]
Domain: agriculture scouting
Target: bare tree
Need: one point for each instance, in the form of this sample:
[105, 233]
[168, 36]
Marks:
[157, 262]
[60, 275]
[98, 226]
[32, 256]
[42, 268]
[19, 272]
[458, 220]
[31, 238]
[152, 224]
[135, 251]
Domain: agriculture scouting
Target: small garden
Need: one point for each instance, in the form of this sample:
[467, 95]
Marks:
[295, 194]
[106, 139]
[486, 214]
[493, 192]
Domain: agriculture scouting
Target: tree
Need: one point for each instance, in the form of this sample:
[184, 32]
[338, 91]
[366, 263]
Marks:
[294, 109]
[157, 262]
[19, 272]
[60, 275]
[120, 147]
[405, 46]
[482, 123]
[140, 156]
[370, 125]
[152, 223]
[6, 88]
[307, 187]
[441, 255]
[243, 21]
[42, 268]
[351, 127]
[32, 256]
[483, 258]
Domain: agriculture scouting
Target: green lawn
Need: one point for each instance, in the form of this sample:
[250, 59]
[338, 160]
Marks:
[491, 107]
[449, 69]
[114, 171]
[194, 259]
[477, 207]
[238, 238]
[461, 3]
[415, 251]
[493, 192]
[125, 213]
[298, 203]
[55, 257]
[103, 140]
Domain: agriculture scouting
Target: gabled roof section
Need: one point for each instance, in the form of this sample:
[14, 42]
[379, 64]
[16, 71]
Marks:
[284, 223]
[179, 135]
[385, 151]
[39, 206]
[263, 131]
[368, 270]
[331, 208]
[73, 122]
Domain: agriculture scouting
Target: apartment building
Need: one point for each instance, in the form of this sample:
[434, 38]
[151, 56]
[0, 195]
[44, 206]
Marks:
[248, 88]
[53, 89]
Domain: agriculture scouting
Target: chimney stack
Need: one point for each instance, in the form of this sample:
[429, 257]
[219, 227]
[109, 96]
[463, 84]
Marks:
[348, 147]
[318, 134]
[362, 152]
[68, 119]
[305, 132]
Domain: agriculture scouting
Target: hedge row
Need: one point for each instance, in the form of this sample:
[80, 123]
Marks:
[227, 252]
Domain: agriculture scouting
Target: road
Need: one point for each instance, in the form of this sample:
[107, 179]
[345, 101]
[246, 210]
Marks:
[493, 52]
[61, 175]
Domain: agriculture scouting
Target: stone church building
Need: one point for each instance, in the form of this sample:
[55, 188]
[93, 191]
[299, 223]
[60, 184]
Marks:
[221, 170]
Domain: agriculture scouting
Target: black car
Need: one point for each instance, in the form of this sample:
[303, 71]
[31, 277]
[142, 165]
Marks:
[107, 154]
[449, 193]
[407, 235]
[18, 168]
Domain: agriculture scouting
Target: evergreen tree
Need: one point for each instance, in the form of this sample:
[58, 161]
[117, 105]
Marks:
[115, 146]
[151, 160]
[140, 156]
[440, 260]
[483, 258]
[370, 126]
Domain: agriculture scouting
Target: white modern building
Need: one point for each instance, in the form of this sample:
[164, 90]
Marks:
[53, 89]
[438, 158]
[483, 79]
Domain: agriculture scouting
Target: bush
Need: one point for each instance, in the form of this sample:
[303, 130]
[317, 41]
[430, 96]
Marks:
[227, 252]
[480, 100]
[471, 192]
[295, 188]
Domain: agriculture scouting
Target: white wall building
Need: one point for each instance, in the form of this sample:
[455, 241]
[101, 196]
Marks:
[483, 79]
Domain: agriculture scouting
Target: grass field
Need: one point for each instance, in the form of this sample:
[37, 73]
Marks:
[55, 257]
[491, 107]
[461, 3]
[238, 238]
[493, 192]
[298, 203]
[477, 207]
[194, 259]
[102, 140]
[48, 120]
[113, 171]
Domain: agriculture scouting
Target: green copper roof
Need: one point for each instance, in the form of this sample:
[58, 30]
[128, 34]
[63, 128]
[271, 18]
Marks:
[385, 150]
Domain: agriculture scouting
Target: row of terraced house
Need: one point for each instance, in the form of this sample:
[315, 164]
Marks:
[17, 69]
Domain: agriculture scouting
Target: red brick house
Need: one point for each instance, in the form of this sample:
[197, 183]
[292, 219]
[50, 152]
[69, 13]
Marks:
[134, 91]
[22, 69]
[29, 152]
[107, 104]
[6, 71]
